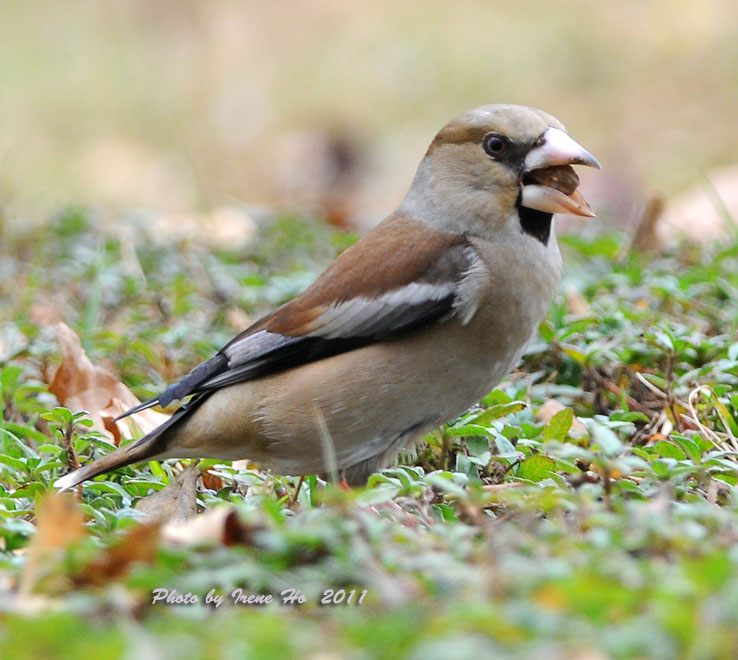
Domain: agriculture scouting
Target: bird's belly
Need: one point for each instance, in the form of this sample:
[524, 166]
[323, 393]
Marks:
[379, 401]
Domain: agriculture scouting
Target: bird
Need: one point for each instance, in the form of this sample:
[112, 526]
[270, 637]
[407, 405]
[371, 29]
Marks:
[407, 329]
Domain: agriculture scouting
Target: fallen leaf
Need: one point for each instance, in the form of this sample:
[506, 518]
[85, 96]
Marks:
[546, 412]
[59, 524]
[136, 545]
[212, 481]
[221, 525]
[237, 532]
[79, 385]
[176, 502]
[204, 529]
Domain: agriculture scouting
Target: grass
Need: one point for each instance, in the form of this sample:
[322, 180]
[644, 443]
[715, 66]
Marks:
[506, 536]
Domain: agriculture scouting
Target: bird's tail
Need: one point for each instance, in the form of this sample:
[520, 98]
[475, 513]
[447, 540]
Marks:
[152, 445]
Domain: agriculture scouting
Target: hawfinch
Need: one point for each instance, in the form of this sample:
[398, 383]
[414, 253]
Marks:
[409, 327]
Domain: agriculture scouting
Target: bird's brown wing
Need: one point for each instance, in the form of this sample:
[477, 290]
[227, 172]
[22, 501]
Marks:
[369, 294]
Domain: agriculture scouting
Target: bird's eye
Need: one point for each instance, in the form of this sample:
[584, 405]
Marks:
[495, 145]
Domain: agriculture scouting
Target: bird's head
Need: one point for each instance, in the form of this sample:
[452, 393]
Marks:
[500, 169]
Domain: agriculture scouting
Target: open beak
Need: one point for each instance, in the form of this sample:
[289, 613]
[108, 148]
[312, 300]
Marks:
[549, 182]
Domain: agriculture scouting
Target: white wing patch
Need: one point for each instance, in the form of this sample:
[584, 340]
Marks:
[361, 316]
[471, 286]
[364, 317]
[255, 346]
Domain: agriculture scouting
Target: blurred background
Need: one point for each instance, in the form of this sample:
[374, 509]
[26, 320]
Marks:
[181, 106]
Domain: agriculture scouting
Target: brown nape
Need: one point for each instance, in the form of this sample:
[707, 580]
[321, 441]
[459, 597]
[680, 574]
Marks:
[459, 134]
[560, 177]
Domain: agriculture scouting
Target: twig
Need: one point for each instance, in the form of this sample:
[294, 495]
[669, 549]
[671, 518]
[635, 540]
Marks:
[293, 499]
[711, 435]
[67, 438]
[617, 391]
[493, 488]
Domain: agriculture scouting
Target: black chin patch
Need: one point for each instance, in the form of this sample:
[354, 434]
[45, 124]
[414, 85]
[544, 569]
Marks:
[535, 223]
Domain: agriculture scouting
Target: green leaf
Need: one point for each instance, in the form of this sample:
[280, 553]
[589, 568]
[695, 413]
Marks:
[60, 415]
[465, 466]
[447, 482]
[536, 468]
[495, 397]
[15, 463]
[498, 411]
[654, 379]
[559, 425]
[727, 418]
[468, 430]
[505, 448]
[573, 352]
[662, 468]
[482, 460]
[667, 449]
[9, 377]
[26, 432]
[158, 471]
[381, 493]
[689, 447]
[546, 330]
[446, 512]
[630, 416]
[477, 445]
[606, 439]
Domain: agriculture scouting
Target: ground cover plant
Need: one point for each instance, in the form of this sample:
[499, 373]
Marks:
[587, 508]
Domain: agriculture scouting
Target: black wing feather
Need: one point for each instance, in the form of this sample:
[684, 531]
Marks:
[275, 353]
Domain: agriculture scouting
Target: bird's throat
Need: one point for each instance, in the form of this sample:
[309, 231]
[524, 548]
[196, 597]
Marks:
[535, 223]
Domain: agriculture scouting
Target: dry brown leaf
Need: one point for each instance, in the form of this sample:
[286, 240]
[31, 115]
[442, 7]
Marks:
[221, 525]
[546, 412]
[175, 503]
[80, 385]
[59, 523]
[237, 532]
[204, 529]
[212, 481]
[137, 545]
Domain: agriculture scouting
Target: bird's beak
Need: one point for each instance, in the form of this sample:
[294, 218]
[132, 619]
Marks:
[549, 183]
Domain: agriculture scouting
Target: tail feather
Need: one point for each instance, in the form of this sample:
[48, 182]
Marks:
[152, 445]
[189, 385]
[136, 409]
